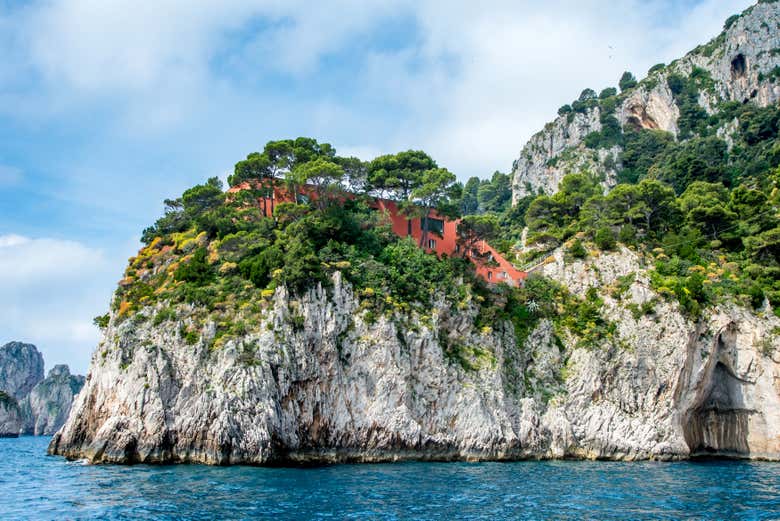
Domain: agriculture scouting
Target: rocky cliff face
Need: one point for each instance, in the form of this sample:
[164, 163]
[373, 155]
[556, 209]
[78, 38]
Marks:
[673, 387]
[10, 416]
[21, 368]
[742, 63]
[543, 162]
[30, 404]
[47, 406]
[320, 381]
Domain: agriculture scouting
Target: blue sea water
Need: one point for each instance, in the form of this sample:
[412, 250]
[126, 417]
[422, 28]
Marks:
[36, 486]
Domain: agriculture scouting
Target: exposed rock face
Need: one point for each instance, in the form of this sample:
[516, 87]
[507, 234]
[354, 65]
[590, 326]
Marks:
[10, 416]
[746, 52]
[28, 403]
[535, 169]
[653, 109]
[705, 388]
[339, 388]
[47, 406]
[21, 368]
[740, 62]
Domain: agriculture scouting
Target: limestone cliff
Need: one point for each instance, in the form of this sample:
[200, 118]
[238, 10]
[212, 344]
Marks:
[322, 380]
[741, 64]
[30, 404]
[10, 416]
[47, 406]
[21, 368]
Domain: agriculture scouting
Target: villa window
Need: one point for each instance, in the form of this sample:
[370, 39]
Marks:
[409, 227]
[434, 225]
[503, 275]
[490, 275]
[431, 244]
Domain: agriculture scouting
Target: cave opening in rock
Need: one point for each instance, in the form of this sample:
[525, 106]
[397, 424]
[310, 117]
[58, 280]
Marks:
[634, 123]
[738, 66]
[718, 425]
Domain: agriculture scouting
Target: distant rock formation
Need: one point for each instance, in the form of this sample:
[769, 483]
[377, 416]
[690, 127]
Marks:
[30, 404]
[21, 368]
[46, 408]
[10, 416]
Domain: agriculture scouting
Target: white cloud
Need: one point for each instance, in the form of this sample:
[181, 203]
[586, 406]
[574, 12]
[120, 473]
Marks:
[478, 80]
[127, 45]
[25, 261]
[51, 290]
[11, 240]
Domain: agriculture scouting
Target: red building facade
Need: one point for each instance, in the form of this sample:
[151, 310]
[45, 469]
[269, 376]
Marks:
[442, 237]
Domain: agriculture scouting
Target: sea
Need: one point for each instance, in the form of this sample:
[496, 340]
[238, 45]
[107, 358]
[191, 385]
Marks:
[34, 486]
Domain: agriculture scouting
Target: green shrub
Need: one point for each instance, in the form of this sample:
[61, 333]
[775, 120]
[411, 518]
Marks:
[608, 92]
[622, 285]
[190, 336]
[604, 238]
[731, 20]
[101, 321]
[164, 315]
[577, 250]
[627, 234]
[655, 68]
[627, 81]
[197, 271]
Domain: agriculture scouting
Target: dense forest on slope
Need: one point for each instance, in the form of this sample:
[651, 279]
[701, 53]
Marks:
[706, 209]
[216, 252]
[702, 202]
[230, 247]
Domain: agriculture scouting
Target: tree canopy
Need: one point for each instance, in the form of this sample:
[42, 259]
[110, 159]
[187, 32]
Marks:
[396, 176]
[627, 81]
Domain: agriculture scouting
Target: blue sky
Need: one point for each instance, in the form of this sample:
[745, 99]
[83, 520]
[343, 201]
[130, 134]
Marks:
[109, 106]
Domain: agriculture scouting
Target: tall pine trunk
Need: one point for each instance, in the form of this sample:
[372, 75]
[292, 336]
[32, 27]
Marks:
[424, 235]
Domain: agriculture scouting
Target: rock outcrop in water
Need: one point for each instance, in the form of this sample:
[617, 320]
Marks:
[10, 416]
[47, 406]
[337, 387]
[30, 404]
[740, 65]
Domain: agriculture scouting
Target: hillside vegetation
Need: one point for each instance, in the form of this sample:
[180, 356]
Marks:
[701, 202]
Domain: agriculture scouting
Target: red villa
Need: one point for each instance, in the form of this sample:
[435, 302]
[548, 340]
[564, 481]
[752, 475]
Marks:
[442, 235]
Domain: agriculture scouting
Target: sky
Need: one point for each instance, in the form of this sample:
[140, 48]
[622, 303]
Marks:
[107, 107]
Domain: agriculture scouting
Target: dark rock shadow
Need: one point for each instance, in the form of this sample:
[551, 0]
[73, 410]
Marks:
[718, 425]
